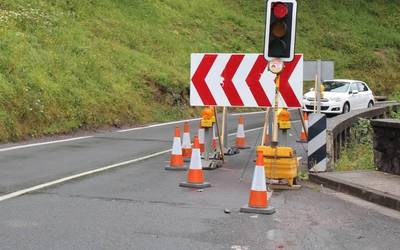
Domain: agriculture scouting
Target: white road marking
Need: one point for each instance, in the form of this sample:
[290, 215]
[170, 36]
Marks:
[87, 173]
[158, 125]
[249, 130]
[119, 131]
[72, 177]
[255, 113]
[44, 143]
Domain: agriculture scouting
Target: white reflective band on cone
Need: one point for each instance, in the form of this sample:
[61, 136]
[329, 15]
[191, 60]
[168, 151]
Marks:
[176, 146]
[195, 162]
[214, 131]
[201, 136]
[258, 183]
[186, 141]
[240, 131]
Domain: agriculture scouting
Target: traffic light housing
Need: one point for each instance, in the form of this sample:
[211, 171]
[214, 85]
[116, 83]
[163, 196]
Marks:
[280, 30]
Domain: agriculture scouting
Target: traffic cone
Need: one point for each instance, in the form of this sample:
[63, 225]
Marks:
[267, 139]
[240, 136]
[195, 176]
[201, 134]
[258, 201]
[186, 143]
[214, 140]
[303, 136]
[176, 162]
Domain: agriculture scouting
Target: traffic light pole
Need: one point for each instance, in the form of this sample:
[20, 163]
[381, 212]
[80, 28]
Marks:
[275, 130]
[318, 87]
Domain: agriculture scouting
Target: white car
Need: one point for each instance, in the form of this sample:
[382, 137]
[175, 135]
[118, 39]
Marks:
[341, 96]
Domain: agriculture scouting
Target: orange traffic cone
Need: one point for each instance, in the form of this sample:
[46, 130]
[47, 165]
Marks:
[258, 201]
[195, 176]
[214, 140]
[201, 135]
[186, 143]
[240, 136]
[176, 162]
[303, 136]
[267, 139]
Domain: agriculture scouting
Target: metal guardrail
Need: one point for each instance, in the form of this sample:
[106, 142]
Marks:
[338, 130]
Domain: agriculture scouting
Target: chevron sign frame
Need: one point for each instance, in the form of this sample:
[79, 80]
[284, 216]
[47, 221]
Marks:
[243, 80]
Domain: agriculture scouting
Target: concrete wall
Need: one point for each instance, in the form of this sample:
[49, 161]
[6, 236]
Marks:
[387, 145]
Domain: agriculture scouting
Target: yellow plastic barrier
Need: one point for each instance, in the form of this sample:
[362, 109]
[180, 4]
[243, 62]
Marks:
[280, 163]
[285, 152]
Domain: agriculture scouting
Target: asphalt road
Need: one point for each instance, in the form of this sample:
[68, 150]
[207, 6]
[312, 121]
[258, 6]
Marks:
[25, 167]
[140, 206]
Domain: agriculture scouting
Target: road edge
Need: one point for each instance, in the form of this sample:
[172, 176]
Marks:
[368, 194]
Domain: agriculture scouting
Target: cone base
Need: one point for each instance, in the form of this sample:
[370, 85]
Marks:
[243, 147]
[231, 151]
[184, 168]
[254, 210]
[211, 165]
[195, 185]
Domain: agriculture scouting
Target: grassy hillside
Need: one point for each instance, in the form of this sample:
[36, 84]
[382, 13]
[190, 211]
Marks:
[72, 64]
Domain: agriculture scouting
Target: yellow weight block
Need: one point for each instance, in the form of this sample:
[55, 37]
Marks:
[281, 168]
[279, 152]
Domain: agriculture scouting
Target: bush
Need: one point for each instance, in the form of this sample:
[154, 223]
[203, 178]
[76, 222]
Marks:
[359, 153]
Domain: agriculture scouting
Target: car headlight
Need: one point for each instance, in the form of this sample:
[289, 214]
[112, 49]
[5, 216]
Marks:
[336, 99]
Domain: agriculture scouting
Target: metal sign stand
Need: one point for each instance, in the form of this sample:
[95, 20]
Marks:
[220, 149]
[214, 162]
[276, 67]
[318, 87]
[266, 128]
[226, 149]
[275, 119]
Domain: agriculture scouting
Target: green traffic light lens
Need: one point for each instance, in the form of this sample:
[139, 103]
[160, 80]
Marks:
[279, 29]
[277, 48]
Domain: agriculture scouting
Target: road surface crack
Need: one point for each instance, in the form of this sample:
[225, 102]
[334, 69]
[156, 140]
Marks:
[130, 200]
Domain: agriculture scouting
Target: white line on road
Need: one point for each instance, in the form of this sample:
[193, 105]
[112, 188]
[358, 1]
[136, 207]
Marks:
[157, 125]
[119, 131]
[43, 143]
[72, 177]
[87, 173]
[257, 112]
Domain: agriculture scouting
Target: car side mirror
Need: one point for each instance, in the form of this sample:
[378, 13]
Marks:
[354, 92]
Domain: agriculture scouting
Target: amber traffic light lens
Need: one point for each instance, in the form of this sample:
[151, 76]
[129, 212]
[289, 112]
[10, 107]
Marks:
[280, 10]
[279, 29]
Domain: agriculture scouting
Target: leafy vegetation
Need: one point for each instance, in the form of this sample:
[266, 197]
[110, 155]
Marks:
[359, 153]
[72, 64]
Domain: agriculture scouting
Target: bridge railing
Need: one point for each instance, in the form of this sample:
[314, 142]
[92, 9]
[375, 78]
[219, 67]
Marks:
[339, 128]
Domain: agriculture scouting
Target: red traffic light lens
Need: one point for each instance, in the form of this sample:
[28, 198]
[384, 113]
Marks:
[280, 10]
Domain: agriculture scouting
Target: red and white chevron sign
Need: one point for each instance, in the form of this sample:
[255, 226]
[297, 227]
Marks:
[243, 80]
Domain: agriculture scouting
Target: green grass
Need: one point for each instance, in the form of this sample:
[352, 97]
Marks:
[356, 157]
[359, 152]
[72, 64]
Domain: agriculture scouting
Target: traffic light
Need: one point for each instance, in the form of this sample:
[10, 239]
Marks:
[280, 30]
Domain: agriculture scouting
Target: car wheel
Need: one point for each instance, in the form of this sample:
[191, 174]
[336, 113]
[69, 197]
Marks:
[370, 104]
[346, 108]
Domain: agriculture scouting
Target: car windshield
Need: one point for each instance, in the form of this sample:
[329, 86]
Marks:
[337, 87]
